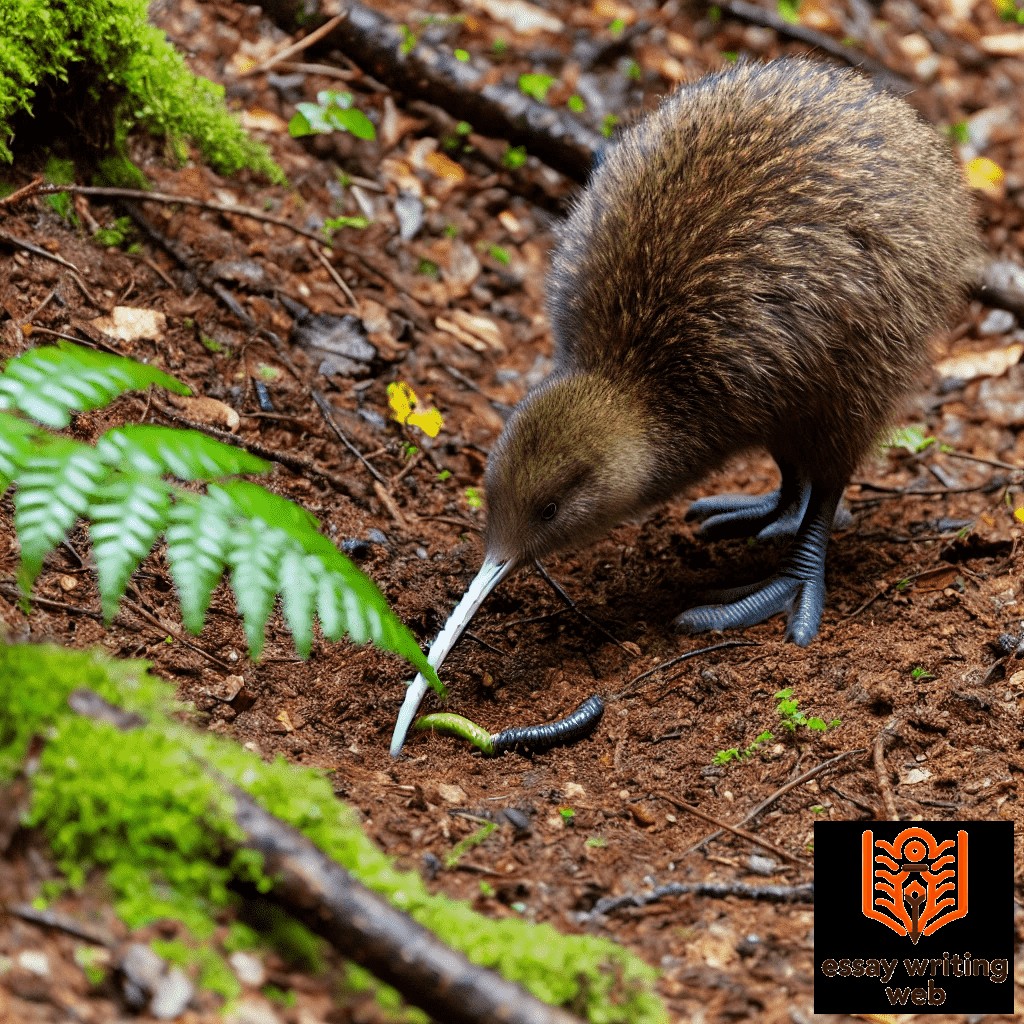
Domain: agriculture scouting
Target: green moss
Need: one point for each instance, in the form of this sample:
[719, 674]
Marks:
[140, 806]
[103, 58]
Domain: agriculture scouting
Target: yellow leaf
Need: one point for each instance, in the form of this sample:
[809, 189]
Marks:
[1018, 514]
[403, 401]
[984, 175]
[444, 167]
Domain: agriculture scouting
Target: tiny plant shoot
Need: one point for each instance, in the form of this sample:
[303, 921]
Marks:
[332, 112]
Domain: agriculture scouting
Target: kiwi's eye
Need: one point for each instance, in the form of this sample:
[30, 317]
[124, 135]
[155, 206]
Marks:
[549, 510]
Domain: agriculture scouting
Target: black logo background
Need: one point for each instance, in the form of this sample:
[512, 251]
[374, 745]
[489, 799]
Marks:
[841, 931]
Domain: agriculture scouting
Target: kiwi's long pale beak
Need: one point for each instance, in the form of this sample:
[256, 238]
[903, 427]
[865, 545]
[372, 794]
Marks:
[491, 573]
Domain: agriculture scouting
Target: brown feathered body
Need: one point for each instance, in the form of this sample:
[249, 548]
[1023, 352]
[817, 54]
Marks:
[760, 262]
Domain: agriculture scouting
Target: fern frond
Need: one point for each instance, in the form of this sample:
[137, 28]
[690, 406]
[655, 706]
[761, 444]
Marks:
[186, 454]
[254, 555]
[16, 442]
[271, 545]
[48, 384]
[129, 513]
[57, 482]
[198, 537]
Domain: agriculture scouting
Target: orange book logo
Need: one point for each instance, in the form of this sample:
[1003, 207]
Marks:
[914, 885]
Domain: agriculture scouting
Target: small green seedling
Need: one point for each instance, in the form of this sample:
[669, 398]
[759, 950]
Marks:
[918, 673]
[93, 963]
[114, 236]
[536, 86]
[332, 112]
[409, 40]
[567, 814]
[499, 254]
[444, 475]
[633, 71]
[793, 718]
[332, 224]
[499, 47]
[514, 157]
[463, 846]
[789, 11]
[596, 843]
[724, 757]
[911, 439]
[461, 55]
[428, 268]
[608, 125]
[576, 103]
[959, 133]
[474, 498]
[487, 890]
[617, 26]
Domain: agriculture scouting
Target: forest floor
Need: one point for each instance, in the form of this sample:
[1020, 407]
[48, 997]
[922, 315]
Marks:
[922, 583]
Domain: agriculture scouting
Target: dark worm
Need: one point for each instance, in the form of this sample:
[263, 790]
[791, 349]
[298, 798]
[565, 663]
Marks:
[536, 738]
[532, 738]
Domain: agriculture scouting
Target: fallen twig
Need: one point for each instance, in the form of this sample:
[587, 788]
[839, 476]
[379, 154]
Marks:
[726, 827]
[627, 690]
[21, 243]
[62, 923]
[884, 738]
[358, 923]
[780, 792]
[803, 893]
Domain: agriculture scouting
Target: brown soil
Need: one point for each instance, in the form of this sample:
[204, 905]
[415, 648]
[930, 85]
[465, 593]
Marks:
[921, 584]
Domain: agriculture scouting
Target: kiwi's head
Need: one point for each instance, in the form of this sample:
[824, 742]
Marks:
[573, 461]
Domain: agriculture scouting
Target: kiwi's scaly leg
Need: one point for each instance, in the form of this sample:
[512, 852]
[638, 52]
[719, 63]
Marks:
[797, 588]
[775, 514]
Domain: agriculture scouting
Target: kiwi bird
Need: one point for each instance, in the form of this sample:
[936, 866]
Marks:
[759, 263]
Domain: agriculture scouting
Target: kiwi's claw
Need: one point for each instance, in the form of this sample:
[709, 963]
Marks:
[798, 588]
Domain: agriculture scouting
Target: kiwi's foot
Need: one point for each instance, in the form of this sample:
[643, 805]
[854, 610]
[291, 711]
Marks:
[798, 588]
[775, 514]
[778, 513]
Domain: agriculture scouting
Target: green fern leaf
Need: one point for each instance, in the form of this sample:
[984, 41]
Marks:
[198, 538]
[16, 442]
[56, 484]
[254, 555]
[187, 454]
[128, 514]
[299, 576]
[347, 600]
[49, 383]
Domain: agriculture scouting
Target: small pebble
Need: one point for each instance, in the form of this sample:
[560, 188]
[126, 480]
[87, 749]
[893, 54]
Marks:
[173, 994]
[35, 962]
[375, 536]
[758, 864]
[248, 968]
[421, 552]
[997, 321]
[252, 1011]
[142, 967]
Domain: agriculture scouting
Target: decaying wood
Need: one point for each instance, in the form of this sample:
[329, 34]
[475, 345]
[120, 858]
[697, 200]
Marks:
[464, 90]
[361, 925]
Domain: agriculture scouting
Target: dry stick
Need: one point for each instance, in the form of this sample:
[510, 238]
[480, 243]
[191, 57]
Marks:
[319, 253]
[884, 785]
[772, 893]
[742, 10]
[985, 462]
[62, 922]
[22, 193]
[328, 414]
[558, 589]
[297, 47]
[631, 685]
[361, 925]
[109, 192]
[292, 462]
[782, 791]
[726, 827]
[20, 243]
